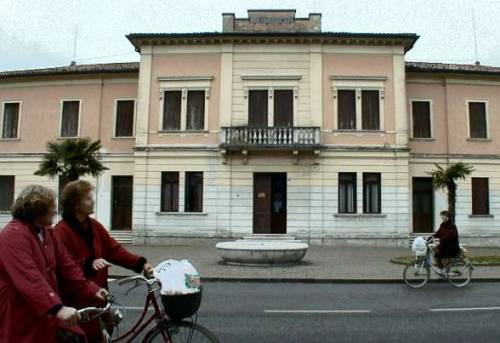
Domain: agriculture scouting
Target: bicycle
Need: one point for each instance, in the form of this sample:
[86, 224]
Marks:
[458, 271]
[166, 329]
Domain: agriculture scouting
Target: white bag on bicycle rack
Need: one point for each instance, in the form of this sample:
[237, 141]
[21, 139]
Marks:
[177, 277]
[419, 246]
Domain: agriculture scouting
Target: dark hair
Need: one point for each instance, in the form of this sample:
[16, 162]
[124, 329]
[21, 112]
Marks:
[33, 201]
[444, 213]
[73, 192]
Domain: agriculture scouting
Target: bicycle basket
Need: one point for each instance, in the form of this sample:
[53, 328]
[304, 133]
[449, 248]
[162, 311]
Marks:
[180, 306]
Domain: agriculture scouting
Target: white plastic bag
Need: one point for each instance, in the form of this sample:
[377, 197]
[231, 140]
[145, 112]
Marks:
[177, 277]
[419, 246]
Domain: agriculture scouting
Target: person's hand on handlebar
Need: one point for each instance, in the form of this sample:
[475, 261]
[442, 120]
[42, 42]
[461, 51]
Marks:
[68, 315]
[102, 294]
[147, 271]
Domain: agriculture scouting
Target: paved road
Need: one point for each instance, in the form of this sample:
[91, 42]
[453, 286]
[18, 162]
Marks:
[291, 312]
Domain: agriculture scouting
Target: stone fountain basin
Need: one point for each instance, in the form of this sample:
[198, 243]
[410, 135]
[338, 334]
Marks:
[249, 252]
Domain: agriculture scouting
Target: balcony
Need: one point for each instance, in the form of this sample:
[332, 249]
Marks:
[285, 138]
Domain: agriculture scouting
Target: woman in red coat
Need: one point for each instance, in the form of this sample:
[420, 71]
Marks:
[91, 246]
[34, 267]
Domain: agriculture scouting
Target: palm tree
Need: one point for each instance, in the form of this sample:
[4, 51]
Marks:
[71, 159]
[446, 179]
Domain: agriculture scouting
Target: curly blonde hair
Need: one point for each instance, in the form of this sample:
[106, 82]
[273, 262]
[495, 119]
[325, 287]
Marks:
[33, 201]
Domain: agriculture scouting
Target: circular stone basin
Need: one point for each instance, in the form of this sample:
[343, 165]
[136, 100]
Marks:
[262, 252]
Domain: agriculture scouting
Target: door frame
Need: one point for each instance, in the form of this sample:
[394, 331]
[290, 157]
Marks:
[273, 217]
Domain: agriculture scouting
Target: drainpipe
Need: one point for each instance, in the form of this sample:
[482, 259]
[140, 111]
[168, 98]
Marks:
[97, 203]
[447, 122]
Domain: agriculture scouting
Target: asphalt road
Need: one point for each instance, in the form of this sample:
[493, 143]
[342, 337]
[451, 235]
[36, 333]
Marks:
[294, 312]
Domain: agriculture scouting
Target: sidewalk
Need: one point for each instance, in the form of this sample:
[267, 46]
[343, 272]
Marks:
[321, 263]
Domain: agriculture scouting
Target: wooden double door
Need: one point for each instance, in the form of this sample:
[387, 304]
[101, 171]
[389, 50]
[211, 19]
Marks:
[269, 203]
[121, 200]
[423, 205]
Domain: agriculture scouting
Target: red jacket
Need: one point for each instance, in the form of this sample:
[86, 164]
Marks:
[31, 274]
[103, 246]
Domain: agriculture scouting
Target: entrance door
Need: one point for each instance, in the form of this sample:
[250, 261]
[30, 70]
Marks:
[423, 205]
[121, 199]
[269, 203]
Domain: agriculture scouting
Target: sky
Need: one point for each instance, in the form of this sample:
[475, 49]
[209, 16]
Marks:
[40, 33]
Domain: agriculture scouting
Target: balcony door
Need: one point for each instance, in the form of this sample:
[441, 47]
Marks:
[283, 108]
[257, 108]
[269, 203]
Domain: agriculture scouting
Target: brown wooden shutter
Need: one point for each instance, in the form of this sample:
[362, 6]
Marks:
[283, 108]
[124, 118]
[172, 110]
[346, 99]
[195, 119]
[10, 120]
[170, 191]
[480, 196]
[193, 193]
[70, 114]
[7, 183]
[370, 107]
[421, 113]
[477, 120]
[257, 108]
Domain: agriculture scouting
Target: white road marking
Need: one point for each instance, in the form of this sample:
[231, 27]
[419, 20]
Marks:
[458, 309]
[317, 311]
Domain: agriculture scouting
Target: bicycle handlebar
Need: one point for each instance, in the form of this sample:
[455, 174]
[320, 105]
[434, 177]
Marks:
[132, 279]
[86, 313]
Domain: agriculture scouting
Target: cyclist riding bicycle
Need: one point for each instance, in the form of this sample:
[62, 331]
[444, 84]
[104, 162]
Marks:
[448, 246]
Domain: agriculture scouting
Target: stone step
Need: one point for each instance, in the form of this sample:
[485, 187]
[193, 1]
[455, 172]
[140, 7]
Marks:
[123, 237]
[269, 237]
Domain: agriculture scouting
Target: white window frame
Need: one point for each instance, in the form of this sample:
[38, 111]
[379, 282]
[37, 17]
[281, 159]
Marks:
[185, 84]
[18, 120]
[271, 83]
[487, 113]
[358, 84]
[431, 114]
[61, 104]
[115, 109]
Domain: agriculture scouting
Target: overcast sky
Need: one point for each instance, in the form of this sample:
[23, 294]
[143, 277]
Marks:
[40, 33]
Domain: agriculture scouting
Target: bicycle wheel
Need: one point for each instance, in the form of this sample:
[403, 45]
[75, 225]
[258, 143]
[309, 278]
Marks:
[417, 274]
[459, 273]
[181, 332]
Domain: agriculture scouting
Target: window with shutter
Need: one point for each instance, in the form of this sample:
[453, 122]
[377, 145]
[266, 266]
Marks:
[371, 193]
[170, 191]
[10, 120]
[370, 110]
[172, 110]
[346, 99]
[480, 196]
[347, 193]
[6, 192]
[283, 108]
[257, 108]
[195, 117]
[421, 119]
[70, 118]
[124, 118]
[477, 120]
[193, 201]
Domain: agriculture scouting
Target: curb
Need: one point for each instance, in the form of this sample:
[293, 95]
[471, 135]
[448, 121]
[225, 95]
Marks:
[319, 281]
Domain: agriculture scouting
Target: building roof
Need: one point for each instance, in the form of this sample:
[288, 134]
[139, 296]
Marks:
[128, 67]
[427, 67]
[133, 67]
[355, 38]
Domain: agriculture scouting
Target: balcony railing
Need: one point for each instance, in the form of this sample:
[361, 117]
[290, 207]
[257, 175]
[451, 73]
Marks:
[270, 137]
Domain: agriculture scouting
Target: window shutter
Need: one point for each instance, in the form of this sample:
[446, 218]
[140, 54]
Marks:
[70, 114]
[170, 192]
[480, 196]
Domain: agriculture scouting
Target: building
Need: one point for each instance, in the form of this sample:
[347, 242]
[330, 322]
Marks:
[270, 126]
